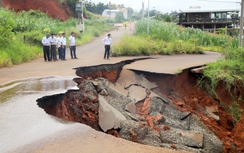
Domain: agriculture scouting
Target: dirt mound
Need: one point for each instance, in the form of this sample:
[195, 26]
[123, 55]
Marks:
[53, 8]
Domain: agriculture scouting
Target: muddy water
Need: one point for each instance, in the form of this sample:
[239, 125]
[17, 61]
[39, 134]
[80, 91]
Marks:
[21, 120]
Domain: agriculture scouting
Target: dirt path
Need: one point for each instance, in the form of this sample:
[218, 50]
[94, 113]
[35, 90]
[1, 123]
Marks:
[90, 54]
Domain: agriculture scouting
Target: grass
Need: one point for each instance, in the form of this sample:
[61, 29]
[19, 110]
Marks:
[168, 38]
[229, 70]
[235, 111]
[137, 45]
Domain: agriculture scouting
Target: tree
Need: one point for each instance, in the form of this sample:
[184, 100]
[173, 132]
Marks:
[174, 16]
[90, 6]
[159, 17]
[130, 11]
[136, 16]
[119, 18]
[167, 18]
[100, 7]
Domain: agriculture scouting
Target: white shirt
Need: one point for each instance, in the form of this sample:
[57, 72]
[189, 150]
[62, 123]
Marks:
[63, 41]
[107, 41]
[46, 41]
[59, 41]
[72, 40]
[53, 41]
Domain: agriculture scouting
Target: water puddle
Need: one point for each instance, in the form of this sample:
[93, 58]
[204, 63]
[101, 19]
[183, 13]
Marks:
[21, 120]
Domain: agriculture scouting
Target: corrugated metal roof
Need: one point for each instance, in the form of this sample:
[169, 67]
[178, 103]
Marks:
[210, 10]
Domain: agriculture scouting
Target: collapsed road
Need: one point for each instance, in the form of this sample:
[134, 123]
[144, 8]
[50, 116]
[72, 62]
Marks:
[152, 108]
[180, 89]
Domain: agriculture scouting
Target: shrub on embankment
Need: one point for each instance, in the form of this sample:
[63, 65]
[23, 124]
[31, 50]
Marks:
[224, 80]
[168, 38]
[22, 33]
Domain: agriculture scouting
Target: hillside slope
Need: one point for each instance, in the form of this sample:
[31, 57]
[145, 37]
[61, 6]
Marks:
[53, 8]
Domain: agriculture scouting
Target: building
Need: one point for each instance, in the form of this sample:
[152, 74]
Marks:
[111, 13]
[209, 20]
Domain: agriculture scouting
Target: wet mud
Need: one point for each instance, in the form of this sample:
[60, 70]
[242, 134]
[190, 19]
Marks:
[181, 90]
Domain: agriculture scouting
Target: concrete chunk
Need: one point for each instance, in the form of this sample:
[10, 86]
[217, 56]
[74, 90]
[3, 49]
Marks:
[183, 137]
[109, 117]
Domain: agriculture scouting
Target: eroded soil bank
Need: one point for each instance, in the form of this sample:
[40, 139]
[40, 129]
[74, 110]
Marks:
[154, 109]
[53, 8]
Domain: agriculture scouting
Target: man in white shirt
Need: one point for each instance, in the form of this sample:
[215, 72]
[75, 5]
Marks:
[72, 46]
[59, 44]
[46, 47]
[107, 42]
[63, 47]
[53, 41]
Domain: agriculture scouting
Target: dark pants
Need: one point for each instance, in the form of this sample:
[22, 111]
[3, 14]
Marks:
[63, 51]
[107, 50]
[59, 52]
[53, 53]
[73, 51]
[46, 53]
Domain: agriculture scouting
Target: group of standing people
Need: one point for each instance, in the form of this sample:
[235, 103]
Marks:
[51, 44]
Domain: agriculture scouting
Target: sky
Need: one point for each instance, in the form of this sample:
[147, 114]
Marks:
[165, 6]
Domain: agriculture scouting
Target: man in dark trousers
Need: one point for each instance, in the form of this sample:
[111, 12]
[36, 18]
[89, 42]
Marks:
[72, 46]
[63, 47]
[107, 42]
[53, 41]
[46, 47]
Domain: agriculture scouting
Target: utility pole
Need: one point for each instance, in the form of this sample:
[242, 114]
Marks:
[109, 7]
[142, 10]
[241, 24]
[148, 17]
[80, 24]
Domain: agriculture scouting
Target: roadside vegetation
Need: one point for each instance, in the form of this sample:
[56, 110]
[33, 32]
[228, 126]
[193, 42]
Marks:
[21, 33]
[168, 38]
[228, 71]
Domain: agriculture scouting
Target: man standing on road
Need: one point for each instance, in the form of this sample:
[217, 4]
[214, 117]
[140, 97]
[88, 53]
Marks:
[63, 47]
[59, 44]
[72, 46]
[46, 48]
[107, 42]
[54, 42]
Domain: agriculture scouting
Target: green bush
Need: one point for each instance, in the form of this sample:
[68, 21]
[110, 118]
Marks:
[4, 60]
[7, 24]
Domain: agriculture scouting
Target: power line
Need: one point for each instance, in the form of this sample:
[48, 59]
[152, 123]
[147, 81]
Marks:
[219, 1]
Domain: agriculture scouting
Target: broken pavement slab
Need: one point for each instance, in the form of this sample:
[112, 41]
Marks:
[109, 117]
[184, 137]
[128, 78]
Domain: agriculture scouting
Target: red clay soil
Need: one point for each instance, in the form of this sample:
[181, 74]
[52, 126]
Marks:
[75, 107]
[238, 135]
[53, 8]
[183, 91]
[111, 75]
